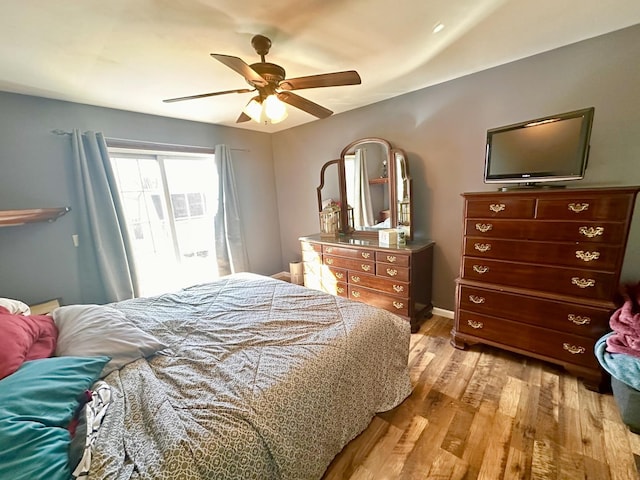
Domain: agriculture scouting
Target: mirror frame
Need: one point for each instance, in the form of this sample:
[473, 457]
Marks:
[392, 153]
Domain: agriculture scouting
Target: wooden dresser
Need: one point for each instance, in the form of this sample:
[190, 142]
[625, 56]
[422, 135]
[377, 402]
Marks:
[397, 279]
[540, 271]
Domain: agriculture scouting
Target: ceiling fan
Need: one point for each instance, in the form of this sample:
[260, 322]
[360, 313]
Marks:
[273, 88]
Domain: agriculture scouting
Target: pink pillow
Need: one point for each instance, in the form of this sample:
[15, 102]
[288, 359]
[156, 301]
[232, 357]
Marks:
[24, 337]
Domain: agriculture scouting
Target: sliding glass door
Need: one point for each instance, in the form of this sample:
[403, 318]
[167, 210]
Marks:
[169, 203]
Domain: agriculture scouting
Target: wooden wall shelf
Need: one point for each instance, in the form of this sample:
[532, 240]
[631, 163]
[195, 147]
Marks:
[378, 181]
[10, 218]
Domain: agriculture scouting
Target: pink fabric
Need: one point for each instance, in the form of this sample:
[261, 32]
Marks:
[625, 323]
[24, 337]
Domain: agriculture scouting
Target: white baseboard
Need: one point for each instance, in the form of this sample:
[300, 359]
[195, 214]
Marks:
[443, 313]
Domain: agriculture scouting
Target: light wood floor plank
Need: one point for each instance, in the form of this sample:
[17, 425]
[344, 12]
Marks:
[495, 456]
[487, 413]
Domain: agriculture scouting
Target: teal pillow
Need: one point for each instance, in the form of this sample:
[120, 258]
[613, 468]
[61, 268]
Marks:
[38, 402]
[29, 450]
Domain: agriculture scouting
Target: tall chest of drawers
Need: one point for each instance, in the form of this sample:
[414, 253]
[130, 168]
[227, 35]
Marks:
[397, 279]
[540, 270]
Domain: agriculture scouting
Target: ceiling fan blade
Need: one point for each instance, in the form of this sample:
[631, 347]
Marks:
[243, 118]
[336, 79]
[204, 95]
[242, 68]
[304, 104]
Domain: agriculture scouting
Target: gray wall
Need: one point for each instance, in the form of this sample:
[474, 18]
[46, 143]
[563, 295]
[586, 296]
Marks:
[39, 261]
[443, 128]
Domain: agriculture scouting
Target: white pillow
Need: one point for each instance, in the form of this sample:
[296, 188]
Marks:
[15, 307]
[92, 330]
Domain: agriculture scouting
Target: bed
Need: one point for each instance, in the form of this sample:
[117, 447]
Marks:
[249, 377]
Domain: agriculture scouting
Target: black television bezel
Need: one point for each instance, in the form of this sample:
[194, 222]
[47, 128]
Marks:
[526, 178]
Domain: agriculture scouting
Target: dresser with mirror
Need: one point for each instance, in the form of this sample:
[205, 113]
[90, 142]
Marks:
[366, 190]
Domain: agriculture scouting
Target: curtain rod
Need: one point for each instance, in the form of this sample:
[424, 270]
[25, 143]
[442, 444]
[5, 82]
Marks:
[139, 144]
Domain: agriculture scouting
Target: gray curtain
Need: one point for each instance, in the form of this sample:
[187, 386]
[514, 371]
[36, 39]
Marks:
[104, 244]
[231, 251]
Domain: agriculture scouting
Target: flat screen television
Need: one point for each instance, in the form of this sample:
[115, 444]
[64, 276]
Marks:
[548, 149]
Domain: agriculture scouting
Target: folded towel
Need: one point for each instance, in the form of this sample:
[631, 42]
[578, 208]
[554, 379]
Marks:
[625, 323]
[625, 368]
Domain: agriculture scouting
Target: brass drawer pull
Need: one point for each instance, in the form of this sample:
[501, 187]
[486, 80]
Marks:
[480, 269]
[587, 256]
[398, 288]
[355, 294]
[392, 272]
[340, 289]
[329, 261]
[391, 258]
[483, 227]
[475, 324]
[497, 207]
[578, 320]
[339, 275]
[578, 207]
[482, 247]
[398, 305]
[583, 282]
[366, 254]
[365, 267]
[476, 299]
[329, 249]
[573, 349]
[591, 232]
[355, 279]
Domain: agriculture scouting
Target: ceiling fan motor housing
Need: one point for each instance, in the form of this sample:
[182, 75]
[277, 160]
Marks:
[272, 73]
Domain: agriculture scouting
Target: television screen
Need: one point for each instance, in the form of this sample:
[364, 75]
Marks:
[553, 148]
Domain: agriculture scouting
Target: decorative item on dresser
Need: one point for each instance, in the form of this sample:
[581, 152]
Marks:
[540, 271]
[395, 278]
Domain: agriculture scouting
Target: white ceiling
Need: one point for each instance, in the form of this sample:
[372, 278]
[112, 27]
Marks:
[131, 54]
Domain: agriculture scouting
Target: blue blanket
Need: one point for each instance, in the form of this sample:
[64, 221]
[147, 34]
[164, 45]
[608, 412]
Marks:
[625, 368]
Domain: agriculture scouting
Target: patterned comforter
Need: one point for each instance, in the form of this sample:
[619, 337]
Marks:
[262, 380]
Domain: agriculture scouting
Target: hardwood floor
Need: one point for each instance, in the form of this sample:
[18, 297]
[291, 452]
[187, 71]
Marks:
[484, 413]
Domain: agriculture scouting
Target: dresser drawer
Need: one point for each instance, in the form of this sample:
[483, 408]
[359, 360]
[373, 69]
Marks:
[312, 268]
[311, 247]
[312, 280]
[583, 255]
[501, 207]
[600, 232]
[397, 305]
[330, 285]
[336, 274]
[348, 252]
[572, 318]
[392, 271]
[585, 208]
[311, 256]
[367, 266]
[399, 259]
[394, 287]
[567, 281]
[340, 289]
[564, 347]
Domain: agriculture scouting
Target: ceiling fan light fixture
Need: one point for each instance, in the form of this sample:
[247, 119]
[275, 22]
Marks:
[254, 109]
[270, 110]
[274, 109]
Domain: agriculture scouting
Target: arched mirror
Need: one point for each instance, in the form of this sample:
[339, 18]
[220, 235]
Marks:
[375, 189]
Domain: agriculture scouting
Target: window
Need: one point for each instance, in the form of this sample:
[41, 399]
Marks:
[169, 202]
